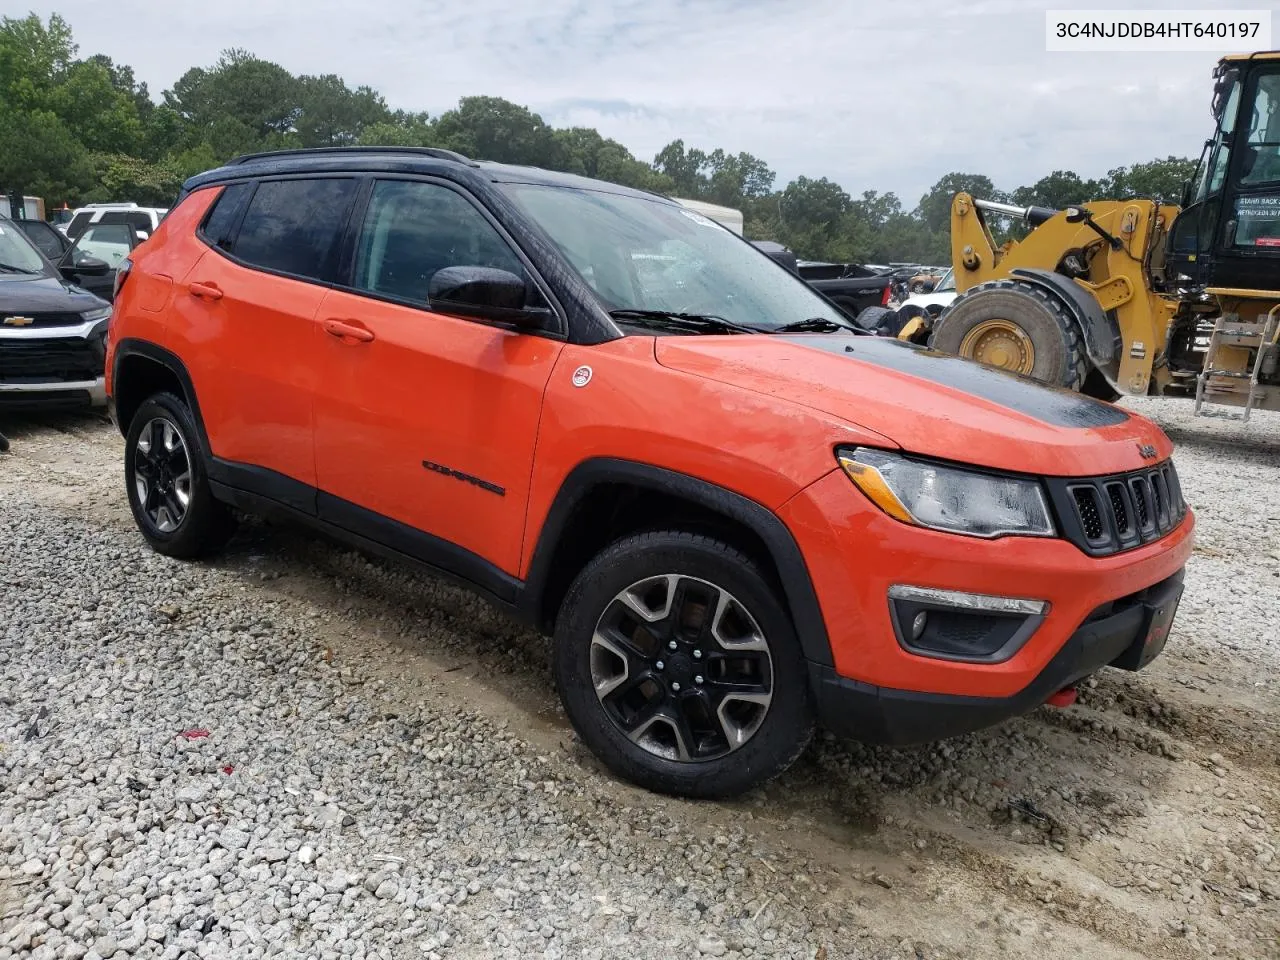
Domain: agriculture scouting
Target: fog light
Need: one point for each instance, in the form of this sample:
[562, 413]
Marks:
[957, 625]
[918, 624]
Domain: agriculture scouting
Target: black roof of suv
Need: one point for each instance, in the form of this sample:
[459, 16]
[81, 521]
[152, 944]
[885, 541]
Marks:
[414, 160]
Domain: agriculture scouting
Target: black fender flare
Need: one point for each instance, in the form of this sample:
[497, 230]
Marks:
[801, 598]
[132, 347]
[1101, 338]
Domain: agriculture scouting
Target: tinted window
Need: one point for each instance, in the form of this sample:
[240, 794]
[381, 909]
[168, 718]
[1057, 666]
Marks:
[49, 240]
[77, 224]
[411, 230]
[220, 222]
[17, 255]
[293, 225]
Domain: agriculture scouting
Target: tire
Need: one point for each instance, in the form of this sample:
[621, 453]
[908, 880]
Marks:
[1059, 355]
[879, 320]
[604, 643]
[157, 483]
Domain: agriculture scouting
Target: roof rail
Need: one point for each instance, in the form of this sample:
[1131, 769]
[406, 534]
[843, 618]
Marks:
[437, 152]
[111, 206]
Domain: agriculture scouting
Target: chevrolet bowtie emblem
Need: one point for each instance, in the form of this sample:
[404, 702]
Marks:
[19, 321]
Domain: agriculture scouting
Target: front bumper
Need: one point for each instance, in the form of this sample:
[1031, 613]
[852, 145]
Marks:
[1127, 633]
[55, 366]
[56, 393]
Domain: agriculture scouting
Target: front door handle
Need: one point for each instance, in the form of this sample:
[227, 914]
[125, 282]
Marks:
[205, 291]
[348, 330]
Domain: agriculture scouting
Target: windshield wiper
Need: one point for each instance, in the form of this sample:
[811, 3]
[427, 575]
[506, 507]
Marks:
[669, 319]
[813, 325]
[10, 268]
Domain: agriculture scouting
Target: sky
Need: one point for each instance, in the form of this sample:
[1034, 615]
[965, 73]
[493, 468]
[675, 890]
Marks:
[875, 96]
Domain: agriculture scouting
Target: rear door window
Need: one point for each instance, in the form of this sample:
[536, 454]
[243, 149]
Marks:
[294, 226]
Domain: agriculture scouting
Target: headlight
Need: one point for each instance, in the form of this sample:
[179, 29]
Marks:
[948, 498]
[102, 315]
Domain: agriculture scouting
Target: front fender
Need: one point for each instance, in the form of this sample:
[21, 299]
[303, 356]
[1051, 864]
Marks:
[1101, 338]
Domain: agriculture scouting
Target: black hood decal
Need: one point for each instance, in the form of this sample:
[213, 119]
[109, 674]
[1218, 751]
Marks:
[1053, 405]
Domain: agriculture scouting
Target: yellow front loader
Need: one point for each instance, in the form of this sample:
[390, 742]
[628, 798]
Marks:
[1133, 296]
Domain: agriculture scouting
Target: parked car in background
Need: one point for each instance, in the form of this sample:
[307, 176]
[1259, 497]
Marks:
[110, 243]
[143, 219]
[52, 331]
[733, 511]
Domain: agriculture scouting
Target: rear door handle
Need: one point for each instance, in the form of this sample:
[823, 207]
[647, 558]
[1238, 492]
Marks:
[205, 291]
[348, 330]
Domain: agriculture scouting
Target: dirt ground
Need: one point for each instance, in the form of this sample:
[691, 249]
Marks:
[1142, 822]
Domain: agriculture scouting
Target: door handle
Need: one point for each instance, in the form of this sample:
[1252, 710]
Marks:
[347, 330]
[205, 291]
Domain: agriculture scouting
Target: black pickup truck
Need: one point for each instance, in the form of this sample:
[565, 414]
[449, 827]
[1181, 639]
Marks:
[849, 286]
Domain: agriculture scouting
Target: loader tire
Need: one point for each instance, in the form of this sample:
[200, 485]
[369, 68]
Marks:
[1017, 327]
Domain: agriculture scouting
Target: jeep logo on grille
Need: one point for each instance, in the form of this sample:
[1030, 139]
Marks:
[19, 321]
[1148, 451]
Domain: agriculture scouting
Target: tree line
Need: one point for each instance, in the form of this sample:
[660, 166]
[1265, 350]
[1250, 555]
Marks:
[79, 130]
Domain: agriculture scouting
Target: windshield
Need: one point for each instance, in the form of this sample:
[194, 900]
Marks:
[17, 255]
[1212, 169]
[947, 284]
[641, 254]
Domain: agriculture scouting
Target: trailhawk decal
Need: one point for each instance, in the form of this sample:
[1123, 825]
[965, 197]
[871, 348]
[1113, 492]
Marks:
[1053, 405]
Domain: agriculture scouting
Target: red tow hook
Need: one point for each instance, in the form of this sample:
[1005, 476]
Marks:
[1063, 698]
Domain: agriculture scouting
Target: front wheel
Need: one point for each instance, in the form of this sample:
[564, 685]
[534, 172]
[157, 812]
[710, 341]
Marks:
[1017, 327]
[679, 667]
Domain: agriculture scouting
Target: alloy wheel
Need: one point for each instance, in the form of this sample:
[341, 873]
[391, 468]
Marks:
[682, 668]
[162, 474]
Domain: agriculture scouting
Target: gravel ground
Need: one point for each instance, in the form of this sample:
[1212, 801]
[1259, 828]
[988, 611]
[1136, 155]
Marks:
[297, 752]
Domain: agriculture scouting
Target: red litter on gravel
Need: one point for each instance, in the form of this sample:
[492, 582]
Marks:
[1063, 698]
[196, 733]
[228, 769]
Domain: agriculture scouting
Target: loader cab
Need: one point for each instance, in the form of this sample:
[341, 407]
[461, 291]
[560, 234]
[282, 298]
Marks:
[1228, 233]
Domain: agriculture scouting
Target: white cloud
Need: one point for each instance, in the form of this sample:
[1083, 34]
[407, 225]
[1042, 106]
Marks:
[873, 95]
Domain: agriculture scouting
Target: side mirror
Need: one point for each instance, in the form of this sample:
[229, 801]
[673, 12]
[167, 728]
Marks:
[85, 267]
[486, 293]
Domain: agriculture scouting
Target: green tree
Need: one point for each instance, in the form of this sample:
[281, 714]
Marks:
[243, 103]
[1159, 179]
[1059, 189]
[490, 128]
[935, 206]
[331, 114]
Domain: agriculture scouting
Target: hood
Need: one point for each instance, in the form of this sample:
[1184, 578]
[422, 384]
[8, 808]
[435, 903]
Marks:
[44, 294]
[927, 402]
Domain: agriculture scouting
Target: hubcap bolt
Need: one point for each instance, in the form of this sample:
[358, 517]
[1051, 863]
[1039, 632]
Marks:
[659, 664]
[675, 687]
[697, 679]
[697, 654]
[671, 645]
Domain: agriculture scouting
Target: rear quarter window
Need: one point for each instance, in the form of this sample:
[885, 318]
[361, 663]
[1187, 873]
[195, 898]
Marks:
[223, 218]
[293, 226]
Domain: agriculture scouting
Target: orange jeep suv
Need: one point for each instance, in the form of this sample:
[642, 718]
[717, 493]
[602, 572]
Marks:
[736, 513]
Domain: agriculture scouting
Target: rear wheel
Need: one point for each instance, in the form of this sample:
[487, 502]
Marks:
[679, 667]
[166, 482]
[1017, 327]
